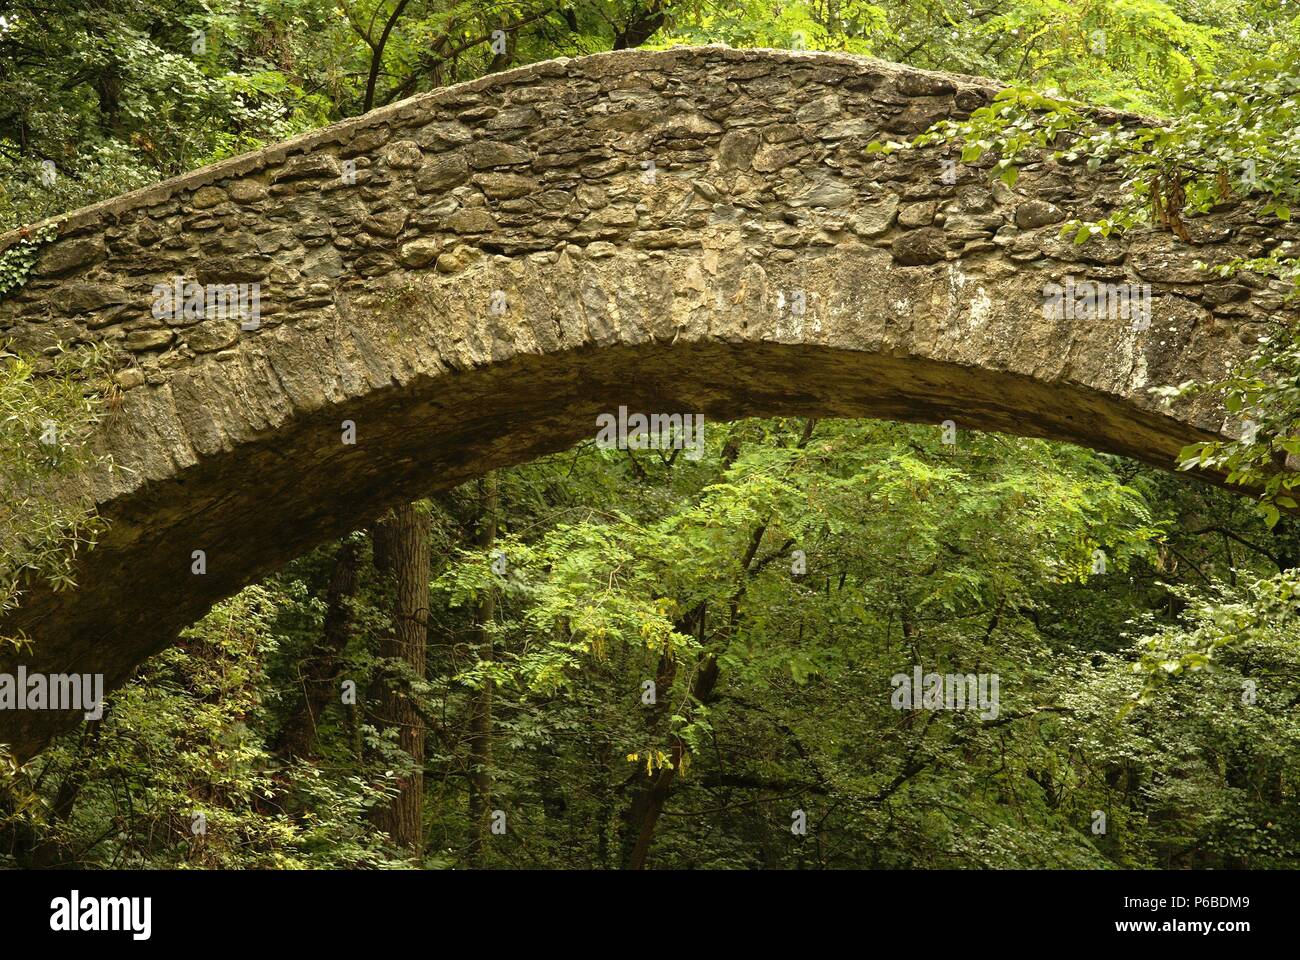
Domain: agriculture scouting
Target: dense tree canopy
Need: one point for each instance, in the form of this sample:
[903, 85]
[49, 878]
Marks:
[626, 658]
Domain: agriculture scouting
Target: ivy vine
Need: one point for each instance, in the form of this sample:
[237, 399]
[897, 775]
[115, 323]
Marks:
[17, 261]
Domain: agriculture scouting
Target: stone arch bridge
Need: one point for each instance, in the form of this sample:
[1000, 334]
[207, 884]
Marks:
[473, 275]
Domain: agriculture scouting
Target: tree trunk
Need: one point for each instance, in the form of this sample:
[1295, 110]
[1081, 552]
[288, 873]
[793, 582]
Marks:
[45, 850]
[643, 815]
[320, 674]
[402, 557]
[480, 744]
[641, 26]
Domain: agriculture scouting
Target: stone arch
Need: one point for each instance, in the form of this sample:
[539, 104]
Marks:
[472, 275]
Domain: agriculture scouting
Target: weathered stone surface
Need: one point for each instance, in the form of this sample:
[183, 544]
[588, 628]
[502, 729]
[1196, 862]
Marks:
[1037, 213]
[692, 124]
[441, 135]
[247, 191]
[1171, 268]
[820, 110]
[367, 140]
[457, 260]
[772, 157]
[129, 378]
[419, 253]
[650, 218]
[514, 118]
[403, 154]
[148, 339]
[1225, 293]
[212, 335]
[487, 153]
[443, 172]
[388, 224]
[831, 196]
[877, 218]
[209, 196]
[475, 220]
[736, 149]
[322, 262]
[918, 247]
[310, 166]
[505, 186]
[917, 214]
[63, 257]
[82, 297]
[919, 84]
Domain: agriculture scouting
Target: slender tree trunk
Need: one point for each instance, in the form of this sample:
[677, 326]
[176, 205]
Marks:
[649, 803]
[377, 55]
[402, 557]
[47, 852]
[320, 674]
[1286, 536]
[641, 25]
[480, 744]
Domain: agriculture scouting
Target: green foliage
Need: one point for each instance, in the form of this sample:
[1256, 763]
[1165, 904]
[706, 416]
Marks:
[1264, 393]
[1264, 612]
[17, 261]
[176, 774]
[46, 418]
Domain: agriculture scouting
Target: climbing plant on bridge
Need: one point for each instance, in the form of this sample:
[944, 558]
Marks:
[1237, 139]
[17, 261]
[47, 413]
